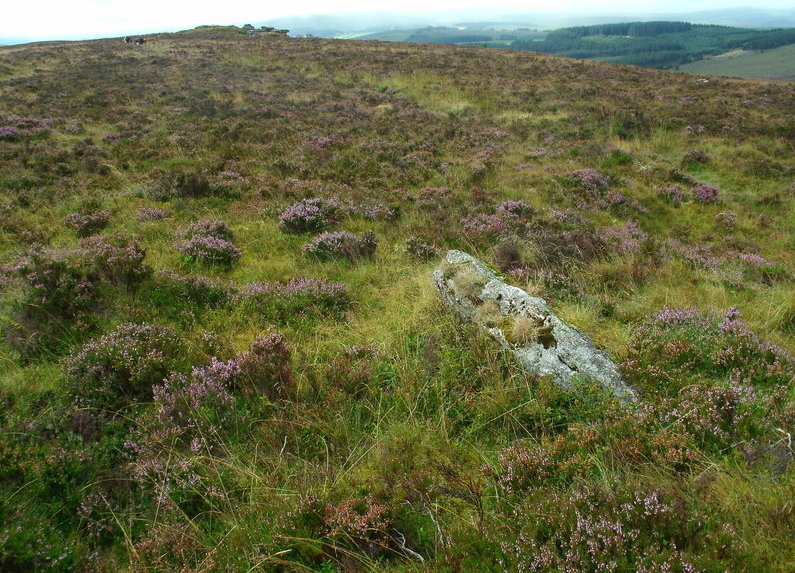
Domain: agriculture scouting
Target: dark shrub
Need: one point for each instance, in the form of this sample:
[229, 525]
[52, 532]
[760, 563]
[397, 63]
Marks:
[192, 185]
[695, 157]
[507, 255]
[185, 185]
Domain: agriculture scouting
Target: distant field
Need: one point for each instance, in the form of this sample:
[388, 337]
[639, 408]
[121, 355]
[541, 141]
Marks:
[776, 64]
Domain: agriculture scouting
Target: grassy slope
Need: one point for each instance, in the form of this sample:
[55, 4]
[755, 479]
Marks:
[413, 442]
[776, 64]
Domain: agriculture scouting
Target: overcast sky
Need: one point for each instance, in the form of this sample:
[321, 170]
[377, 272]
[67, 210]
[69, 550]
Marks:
[77, 19]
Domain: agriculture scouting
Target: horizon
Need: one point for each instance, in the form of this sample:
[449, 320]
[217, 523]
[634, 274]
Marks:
[111, 18]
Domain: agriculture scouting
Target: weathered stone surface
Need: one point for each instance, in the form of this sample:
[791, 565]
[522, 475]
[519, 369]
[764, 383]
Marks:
[542, 343]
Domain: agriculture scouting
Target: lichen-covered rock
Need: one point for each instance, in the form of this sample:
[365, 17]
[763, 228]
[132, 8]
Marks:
[542, 343]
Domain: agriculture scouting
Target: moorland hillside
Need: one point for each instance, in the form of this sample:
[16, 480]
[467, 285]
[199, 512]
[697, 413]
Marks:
[222, 349]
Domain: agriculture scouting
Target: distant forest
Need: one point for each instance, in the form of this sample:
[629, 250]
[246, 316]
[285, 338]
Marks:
[653, 44]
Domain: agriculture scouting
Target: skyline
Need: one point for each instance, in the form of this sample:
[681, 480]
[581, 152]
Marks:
[89, 19]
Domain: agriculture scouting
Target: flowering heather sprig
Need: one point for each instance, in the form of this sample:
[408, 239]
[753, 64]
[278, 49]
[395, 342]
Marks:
[309, 216]
[361, 521]
[87, 224]
[209, 251]
[673, 195]
[699, 255]
[9, 133]
[179, 399]
[669, 316]
[341, 245]
[374, 211]
[567, 217]
[704, 193]
[755, 260]
[153, 214]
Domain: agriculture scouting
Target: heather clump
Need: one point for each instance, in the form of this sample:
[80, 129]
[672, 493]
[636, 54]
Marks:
[193, 289]
[123, 366]
[341, 245]
[673, 194]
[555, 462]
[184, 403]
[352, 524]
[590, 180]
[147, 214]
[89, 222]
[296, 299]
[207, 228]
[209, 251]
[516, 208]
[8, 133]
[119, 259]
[677, 346]
[421, 249]
[59, 292]
[596, 529]
[265, 368]
[309, 216]
[705, 194]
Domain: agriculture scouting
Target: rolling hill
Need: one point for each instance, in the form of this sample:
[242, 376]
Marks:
[222, 349]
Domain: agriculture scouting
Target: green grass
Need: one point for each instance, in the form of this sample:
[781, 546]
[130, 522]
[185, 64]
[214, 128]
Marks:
[775, 64]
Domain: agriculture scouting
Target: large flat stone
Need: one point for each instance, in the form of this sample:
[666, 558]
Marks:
[554, 348]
